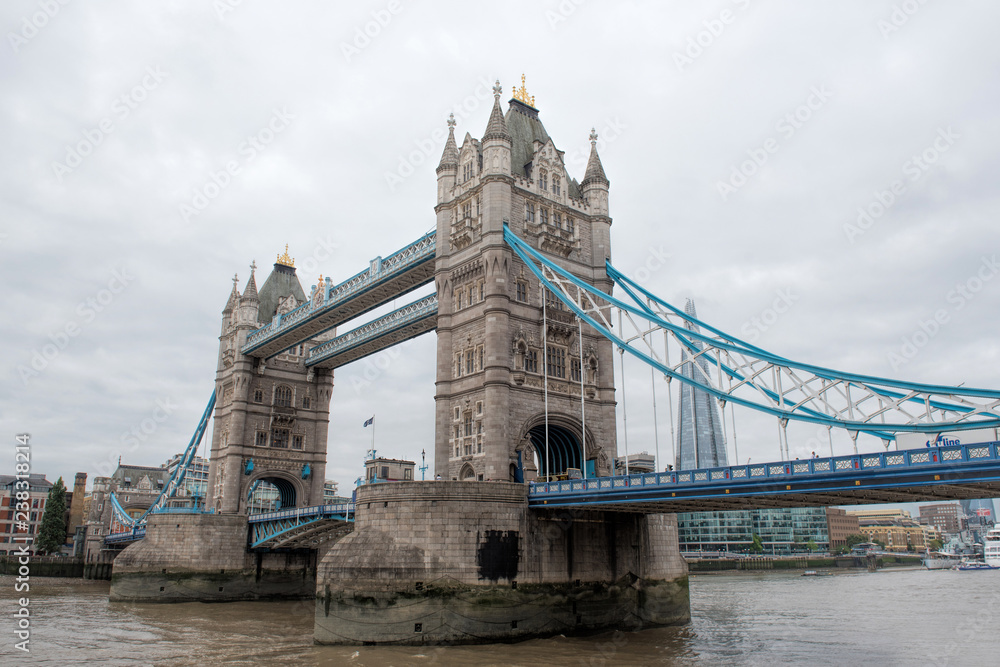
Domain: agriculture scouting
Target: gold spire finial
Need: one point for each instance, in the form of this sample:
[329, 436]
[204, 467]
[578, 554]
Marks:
[522, 94]
[285, 260]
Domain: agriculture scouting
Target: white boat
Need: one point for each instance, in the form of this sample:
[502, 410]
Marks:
[991, 547]
[941, 560]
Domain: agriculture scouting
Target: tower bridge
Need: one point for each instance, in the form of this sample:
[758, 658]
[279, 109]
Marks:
[528, 311]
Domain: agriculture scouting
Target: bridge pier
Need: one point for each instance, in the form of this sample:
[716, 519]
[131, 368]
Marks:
[468, 562]
[204, 558]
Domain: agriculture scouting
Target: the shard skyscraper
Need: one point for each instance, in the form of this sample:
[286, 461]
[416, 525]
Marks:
[700, 439]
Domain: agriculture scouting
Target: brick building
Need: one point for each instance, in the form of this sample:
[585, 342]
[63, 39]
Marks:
[943, 516]
[840, 523]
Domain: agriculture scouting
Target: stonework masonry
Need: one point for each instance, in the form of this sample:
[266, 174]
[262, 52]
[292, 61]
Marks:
[204, 557]
[467, 562]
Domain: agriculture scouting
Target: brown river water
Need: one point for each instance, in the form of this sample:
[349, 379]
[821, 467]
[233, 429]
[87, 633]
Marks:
[891, 617]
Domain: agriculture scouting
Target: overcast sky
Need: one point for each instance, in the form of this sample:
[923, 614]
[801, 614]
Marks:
[297, 127]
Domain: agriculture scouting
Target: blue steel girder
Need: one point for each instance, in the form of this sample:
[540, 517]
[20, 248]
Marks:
[386, 279]
[745, 375]
[301, 528]
[917, 475]
[402, 324]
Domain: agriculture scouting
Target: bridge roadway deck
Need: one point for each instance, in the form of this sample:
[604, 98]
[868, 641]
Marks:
[919, 475]
[386, 279]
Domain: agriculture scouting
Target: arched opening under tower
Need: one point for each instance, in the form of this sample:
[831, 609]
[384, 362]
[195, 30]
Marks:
[564, 450]
[269, 494]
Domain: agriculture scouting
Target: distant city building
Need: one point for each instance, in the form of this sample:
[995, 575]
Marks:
[388, 470]
[840, 524]
[866, 513]
[637, 463]
[701, 442]
[979, 511]
[38, 493]
[192, 491]
[781, 530]
[897, 534]
[943, 516]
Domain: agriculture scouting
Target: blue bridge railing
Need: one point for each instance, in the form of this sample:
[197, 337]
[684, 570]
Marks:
[800, 469]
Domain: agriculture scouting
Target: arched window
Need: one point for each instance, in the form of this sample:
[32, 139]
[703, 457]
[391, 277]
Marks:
[283, 397]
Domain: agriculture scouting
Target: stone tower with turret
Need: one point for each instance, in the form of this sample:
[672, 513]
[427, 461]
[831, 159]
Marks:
[494, 354]
[271, 415]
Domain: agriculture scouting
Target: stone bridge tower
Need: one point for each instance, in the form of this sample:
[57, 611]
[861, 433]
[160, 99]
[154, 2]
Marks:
[492, 362]
[271, 415]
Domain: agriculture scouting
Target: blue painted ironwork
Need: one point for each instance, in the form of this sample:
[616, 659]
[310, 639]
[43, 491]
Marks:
[326, 300]
[758, 379]
[121, 518]
[964, 467]
[294, 527]
[409, 314]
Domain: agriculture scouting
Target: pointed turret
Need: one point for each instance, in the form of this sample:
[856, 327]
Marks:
[497, 127]
[497, 141]
[595, 170]
[595, 184]
[449, 158]
[250, 301]
[234, 297]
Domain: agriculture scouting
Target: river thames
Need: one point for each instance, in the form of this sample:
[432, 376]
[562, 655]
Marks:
[891, 617]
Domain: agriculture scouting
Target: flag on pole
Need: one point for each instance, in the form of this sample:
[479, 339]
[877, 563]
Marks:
[369, 422]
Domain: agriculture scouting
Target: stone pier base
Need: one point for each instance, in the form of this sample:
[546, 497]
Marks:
[468, 562]
[204, 557]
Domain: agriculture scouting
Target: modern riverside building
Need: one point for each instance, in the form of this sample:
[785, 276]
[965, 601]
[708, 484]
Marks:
[839, 525]
[943, 516]
[38, 492]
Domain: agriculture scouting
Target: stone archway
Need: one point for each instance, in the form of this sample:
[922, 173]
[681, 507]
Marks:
[467, 474]
[564, 450]
[289, 490]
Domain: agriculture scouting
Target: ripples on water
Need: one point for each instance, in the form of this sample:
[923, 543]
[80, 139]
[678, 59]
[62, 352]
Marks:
[911, 617]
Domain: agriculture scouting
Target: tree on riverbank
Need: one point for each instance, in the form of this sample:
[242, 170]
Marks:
[757, 547]
[52, 534]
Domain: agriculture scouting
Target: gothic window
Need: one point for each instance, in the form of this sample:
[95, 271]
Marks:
[261, 438]
[479, 447]
[556, 186]
[479, 358]
[557, 219]
[478, 203]
[258, 396]
[458, 373]
[543, 180]
[569, 224]
[529, 212]
[283, 397]
[556, 361]
[522, 291]
[296, 442]
[457, 454]
[306, 402]
[543, 216]
[468, 448]
[470, 362]
[479, 408]
[482, 291]
[467, 209]
[458, 303]
[467, 171]
[479, 427]
[552, 302]
[458, 413]
[279, 438]
[531, 361]
[472, 295]
[457, 433]
[468, 424]
[574, 370]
